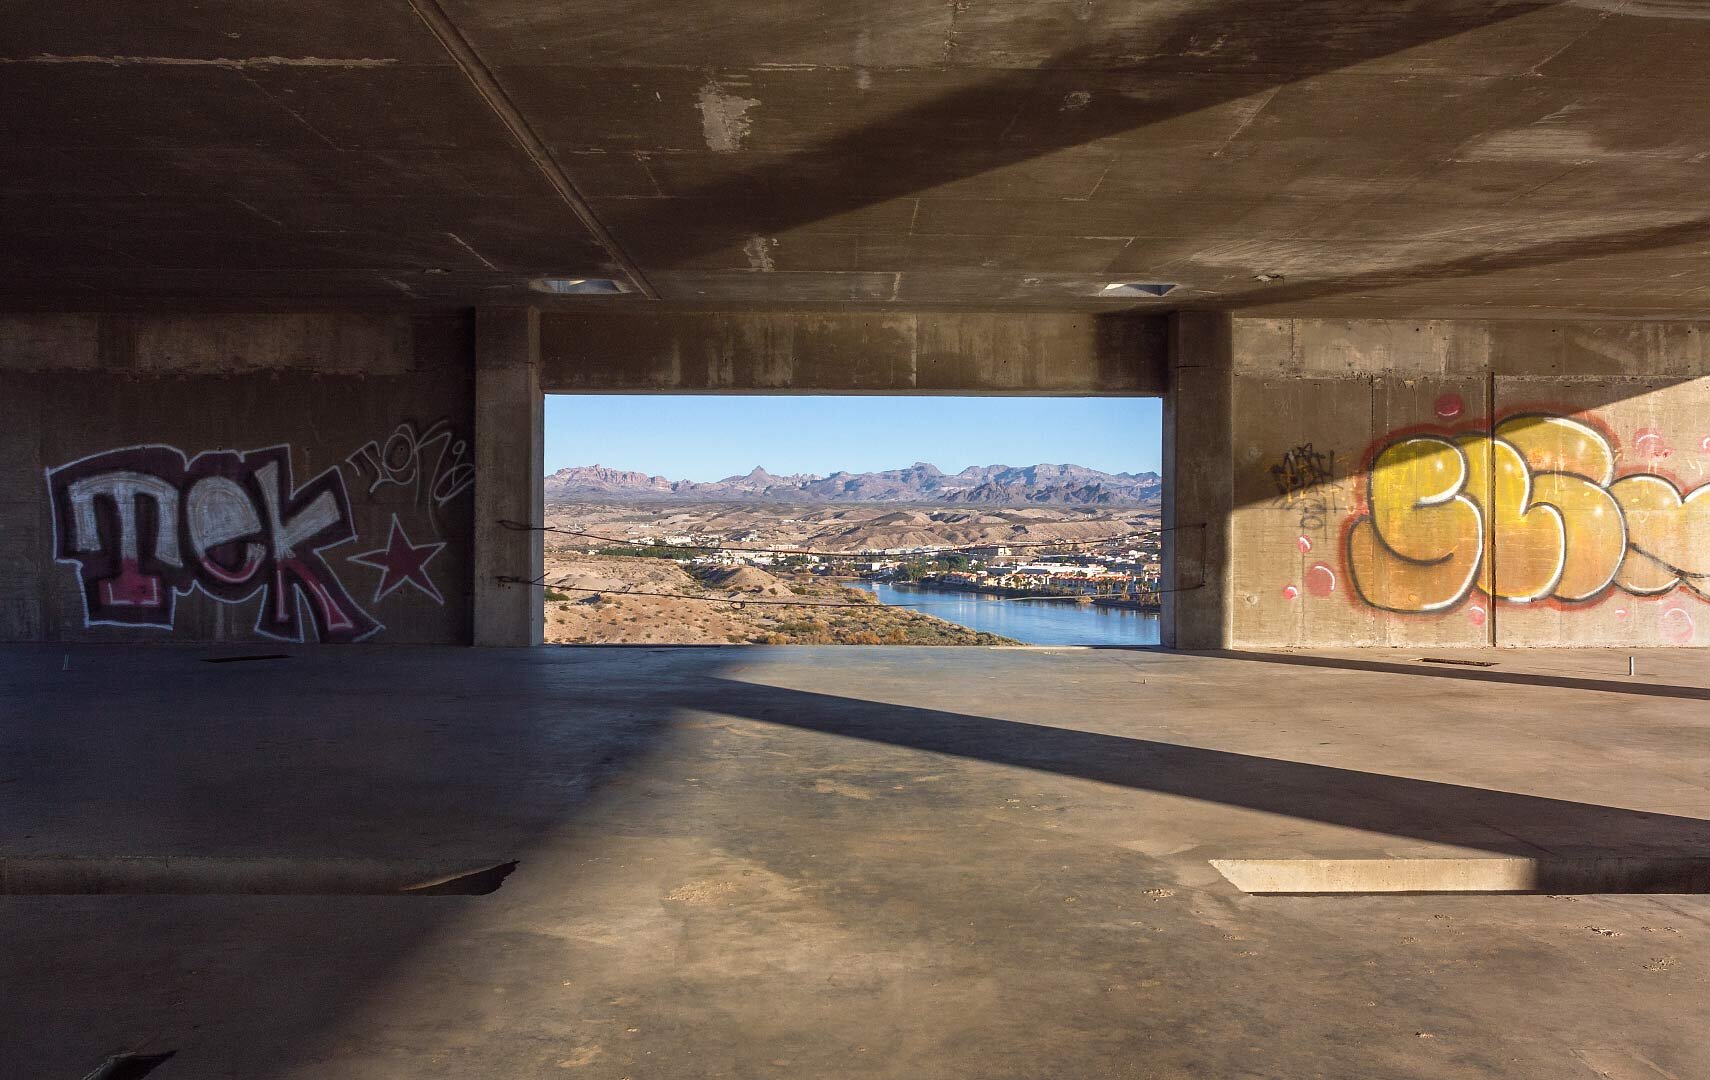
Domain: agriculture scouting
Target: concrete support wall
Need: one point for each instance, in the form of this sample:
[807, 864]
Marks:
[1197, 483]
[295, 477]
[1426, 484]
[854, 352]
[510, 444]
[340, 476]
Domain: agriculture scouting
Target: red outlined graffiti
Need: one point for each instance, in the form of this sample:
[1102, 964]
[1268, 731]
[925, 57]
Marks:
[146, 524]
[1541, 490]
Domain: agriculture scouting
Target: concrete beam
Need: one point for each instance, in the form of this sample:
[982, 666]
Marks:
[853, 352]
[509, 463]
[1198, 482]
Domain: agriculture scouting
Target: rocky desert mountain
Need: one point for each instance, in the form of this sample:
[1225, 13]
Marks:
[994, 485]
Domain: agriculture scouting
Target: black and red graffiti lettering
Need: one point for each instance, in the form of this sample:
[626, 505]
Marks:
[147, 524]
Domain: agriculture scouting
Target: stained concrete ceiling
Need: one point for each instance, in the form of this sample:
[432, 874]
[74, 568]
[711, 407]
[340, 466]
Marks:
[1489, 157]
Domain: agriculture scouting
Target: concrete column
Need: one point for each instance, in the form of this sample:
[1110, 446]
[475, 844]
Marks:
[1199, 482]
[510, 461]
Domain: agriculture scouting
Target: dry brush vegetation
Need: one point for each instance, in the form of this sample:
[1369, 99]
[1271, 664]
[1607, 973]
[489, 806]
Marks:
[605, 599]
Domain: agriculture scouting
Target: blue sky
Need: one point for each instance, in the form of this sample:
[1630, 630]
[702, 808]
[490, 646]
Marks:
[709, 437]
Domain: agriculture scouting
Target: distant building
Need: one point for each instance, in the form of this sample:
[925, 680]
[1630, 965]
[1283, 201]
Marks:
[1058, 570]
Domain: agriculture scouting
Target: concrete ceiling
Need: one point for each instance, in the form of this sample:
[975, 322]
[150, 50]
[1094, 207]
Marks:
[1488, 157]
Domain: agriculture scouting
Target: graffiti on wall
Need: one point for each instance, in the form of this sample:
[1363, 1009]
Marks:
[1531, 511]
[147, 525]
[1305, 480]
[435, 461]
[402, 563]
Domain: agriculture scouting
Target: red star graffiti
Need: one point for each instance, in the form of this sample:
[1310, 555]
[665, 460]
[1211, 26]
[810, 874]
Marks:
[401, 561]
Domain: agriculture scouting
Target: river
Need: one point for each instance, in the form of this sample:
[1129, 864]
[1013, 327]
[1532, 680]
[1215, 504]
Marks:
[1034, 622]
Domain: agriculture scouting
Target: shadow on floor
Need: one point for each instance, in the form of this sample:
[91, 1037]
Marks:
[1498, 821]
[401, 752]
[1512, 678]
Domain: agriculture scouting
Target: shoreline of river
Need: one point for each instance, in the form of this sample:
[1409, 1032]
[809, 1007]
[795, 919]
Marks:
[1124, 603]
[1033, 620]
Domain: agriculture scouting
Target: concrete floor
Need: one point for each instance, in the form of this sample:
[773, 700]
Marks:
[854, 862]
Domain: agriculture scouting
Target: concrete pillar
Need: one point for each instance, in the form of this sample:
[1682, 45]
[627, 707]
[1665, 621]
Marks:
[1199, 482]
[510, 462]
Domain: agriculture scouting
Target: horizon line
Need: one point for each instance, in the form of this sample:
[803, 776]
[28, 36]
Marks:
[864, 472]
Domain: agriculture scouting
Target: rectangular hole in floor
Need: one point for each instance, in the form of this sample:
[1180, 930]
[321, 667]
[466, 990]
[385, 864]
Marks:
[1358, 877]
[62, 875]
[243, 659]
[129, 1066]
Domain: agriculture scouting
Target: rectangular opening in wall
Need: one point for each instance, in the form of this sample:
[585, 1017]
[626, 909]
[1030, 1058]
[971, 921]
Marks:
[726, 519]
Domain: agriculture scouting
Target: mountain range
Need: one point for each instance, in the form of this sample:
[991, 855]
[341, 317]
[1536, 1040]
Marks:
[1061, 485]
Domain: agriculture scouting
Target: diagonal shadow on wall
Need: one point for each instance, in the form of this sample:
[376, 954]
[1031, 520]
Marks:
[1616, 242]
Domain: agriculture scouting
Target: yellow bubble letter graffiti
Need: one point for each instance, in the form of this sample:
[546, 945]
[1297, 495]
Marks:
[1420, 548]
[1668, 536]
[1530, 546]
[1560, 525]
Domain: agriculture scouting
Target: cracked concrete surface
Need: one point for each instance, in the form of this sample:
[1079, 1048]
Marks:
[851, 862]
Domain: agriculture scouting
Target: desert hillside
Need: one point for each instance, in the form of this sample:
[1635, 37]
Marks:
[616, 600]
[840, 528]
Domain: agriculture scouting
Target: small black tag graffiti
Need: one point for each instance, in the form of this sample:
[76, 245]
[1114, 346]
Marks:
[1305, 480]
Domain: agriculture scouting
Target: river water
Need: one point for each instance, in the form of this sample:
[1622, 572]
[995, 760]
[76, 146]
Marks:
[1034, 622]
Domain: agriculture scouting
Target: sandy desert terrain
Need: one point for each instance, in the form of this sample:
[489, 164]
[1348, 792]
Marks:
[843, 527]
[616, 600]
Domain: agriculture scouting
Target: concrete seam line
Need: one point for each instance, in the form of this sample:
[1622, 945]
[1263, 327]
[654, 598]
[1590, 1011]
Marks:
[487, 86]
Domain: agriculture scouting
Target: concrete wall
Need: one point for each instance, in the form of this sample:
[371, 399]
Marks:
[1198, 481]
[282, 476]
[314, 476]
[1423, 484]
[510, 443]
[853, 352]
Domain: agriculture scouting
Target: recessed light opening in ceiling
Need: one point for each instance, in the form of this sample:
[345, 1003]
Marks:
[1138, 288]
[578, 286]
